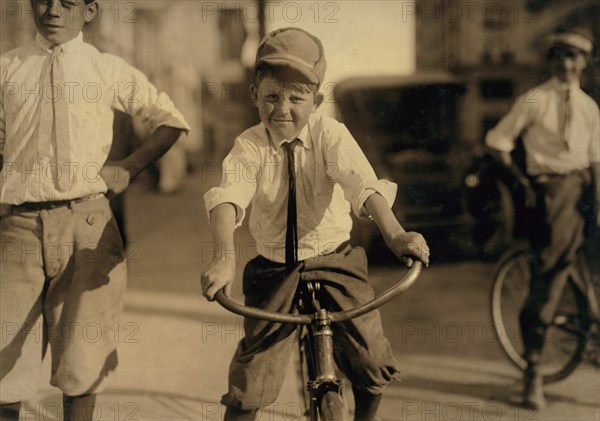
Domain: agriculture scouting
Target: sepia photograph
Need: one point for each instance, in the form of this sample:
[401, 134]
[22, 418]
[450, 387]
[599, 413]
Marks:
[299, 210]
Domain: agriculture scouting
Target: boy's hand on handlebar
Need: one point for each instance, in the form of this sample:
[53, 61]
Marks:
[217, 275]
[408, 246]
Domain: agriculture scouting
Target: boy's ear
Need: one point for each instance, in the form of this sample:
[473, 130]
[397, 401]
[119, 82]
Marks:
[319, 98]
[254, 93]
[90, 12]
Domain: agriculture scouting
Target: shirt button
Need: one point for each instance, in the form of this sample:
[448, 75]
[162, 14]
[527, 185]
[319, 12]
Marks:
[44, 212]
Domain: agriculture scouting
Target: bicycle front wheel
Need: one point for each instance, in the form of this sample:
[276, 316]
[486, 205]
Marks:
[332, 407]
[565, 337]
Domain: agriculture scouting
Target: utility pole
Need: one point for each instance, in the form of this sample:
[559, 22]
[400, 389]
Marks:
[261, 18]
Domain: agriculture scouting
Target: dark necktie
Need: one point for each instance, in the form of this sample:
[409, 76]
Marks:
[291, 233]
[566, 117]
[54, 119]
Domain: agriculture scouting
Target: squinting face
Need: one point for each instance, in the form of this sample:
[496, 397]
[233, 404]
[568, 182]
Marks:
[568, 64]
[282, 109]
[60, 21]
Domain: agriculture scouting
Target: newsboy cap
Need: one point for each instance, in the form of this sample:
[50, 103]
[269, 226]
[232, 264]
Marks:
[294, 48]
[580, 38]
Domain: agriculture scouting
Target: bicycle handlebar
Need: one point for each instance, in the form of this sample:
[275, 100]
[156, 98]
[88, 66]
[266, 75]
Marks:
[338, 316]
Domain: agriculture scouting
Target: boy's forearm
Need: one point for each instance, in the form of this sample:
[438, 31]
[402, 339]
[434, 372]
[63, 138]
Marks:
[152, 149]
[222, 226]
[382, 214]
[505, 159]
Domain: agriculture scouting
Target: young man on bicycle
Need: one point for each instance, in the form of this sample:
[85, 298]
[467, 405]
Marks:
[560, 127]
[303, 174]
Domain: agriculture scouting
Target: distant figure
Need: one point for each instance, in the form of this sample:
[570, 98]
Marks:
[560, 126]
[66, 266]
[297, 217]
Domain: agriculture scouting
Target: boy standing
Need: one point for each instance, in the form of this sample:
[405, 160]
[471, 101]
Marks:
[63, 265]
[560, 125]
[302, 174]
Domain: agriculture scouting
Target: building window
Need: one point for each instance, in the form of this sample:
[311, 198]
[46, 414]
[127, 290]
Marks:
[233, 33]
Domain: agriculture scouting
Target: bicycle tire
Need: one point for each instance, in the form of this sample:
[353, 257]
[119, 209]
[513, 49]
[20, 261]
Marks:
[566, 336]
[332, 407]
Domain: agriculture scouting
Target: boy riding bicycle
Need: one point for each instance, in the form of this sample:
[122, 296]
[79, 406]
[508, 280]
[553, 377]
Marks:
[303, 174]
[560, 126]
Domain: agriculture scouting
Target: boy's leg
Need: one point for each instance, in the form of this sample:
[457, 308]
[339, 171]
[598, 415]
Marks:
[22, 285]
[10, 411]
[556, 236]
[84, 300]
[258, 367]
[79, 408]
[366, 405]
[361, 350]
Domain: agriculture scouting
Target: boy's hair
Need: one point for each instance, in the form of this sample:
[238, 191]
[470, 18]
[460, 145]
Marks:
[285, 77]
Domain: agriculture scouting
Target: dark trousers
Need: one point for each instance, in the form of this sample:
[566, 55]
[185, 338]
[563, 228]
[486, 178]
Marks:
[556, 233]
[361, 351]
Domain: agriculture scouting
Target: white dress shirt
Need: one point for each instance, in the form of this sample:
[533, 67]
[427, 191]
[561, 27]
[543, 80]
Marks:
[332, 176]
[538, 117]
[96, 85]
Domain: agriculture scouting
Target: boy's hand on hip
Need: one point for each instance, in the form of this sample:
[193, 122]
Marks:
[117, 177]
[408, 246]
[218, 274]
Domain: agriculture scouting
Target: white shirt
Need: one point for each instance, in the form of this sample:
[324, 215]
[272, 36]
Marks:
[537, 117]
[332, 176]
[96, 85]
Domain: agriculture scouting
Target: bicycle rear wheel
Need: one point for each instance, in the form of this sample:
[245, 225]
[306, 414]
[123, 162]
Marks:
[566, 335]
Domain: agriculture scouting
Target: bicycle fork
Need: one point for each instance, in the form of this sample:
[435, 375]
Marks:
[325, 379]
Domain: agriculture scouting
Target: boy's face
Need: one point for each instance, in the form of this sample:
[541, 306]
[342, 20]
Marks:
[60, 21]
[283, 109]
[567, 64]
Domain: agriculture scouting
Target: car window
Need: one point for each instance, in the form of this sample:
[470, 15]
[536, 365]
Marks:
[405, 116]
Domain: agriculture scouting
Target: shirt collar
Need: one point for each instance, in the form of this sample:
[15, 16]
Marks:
[46, 45]
[559, 86]
[304, 136]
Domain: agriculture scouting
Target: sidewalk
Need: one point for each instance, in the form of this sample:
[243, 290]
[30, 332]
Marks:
[175, 350]
[175, 347]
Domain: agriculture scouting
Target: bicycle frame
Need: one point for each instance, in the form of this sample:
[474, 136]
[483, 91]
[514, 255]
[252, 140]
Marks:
[321, 356]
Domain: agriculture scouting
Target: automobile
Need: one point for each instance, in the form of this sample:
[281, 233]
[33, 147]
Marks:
[409, 127]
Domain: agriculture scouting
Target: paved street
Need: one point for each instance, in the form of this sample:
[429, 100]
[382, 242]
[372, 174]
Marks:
[175, 346]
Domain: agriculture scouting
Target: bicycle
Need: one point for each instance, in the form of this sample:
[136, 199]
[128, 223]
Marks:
[324, 387]
[575, 324]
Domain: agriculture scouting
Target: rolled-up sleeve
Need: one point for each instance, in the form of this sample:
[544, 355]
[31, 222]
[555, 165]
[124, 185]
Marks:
[138, 97]
[240, 170]
[503, 136]
[595, 140]
[354, 173]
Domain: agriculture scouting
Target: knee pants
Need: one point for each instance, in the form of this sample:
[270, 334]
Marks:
[63, 276]
[361, 351]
